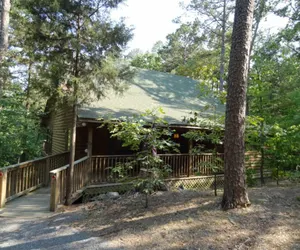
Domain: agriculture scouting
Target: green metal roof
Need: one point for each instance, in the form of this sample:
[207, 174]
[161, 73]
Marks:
[176, 95]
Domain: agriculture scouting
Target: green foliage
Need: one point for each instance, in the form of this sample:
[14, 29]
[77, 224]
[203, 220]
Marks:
[255, 133]
[250, 178]
[283, 145]
[280, 145]
[72, 46]
[144, 134]
[212, 126]
[212, 132]
[215, 165]
[274, 84]
[20, 134]
[277, 174]
[295, 175]
[121, 170]
[147, 61]
[290, 35]
[274, 97]
[181, 45]
[59, 51]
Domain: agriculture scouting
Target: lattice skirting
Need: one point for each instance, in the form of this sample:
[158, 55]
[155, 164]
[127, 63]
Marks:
[196, 183]
[193, 183]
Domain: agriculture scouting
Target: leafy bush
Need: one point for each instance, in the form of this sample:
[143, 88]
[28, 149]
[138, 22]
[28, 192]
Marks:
[295, 176]
[145, 134]
[280, 174]
[251, 181]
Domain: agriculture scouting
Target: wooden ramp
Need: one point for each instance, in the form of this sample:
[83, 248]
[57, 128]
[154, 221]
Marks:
[33, 205]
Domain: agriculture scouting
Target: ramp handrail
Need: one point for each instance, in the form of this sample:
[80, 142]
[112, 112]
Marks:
[59, 181]
[22, 178]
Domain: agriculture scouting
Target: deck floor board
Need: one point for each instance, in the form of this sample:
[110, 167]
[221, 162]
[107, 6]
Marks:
[33, 205]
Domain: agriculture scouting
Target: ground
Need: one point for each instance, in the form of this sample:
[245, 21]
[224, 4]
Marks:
[52, 233]
[184, 220]
[194, 220]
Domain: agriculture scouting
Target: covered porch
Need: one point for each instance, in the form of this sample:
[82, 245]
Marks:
[95, 139]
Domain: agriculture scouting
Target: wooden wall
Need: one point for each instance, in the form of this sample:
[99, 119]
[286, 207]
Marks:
[81, 142]
[61, 124]
[102, 143]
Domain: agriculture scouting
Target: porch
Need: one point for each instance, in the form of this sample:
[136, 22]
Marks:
[95, 139]
[92, 171]
[96, 172]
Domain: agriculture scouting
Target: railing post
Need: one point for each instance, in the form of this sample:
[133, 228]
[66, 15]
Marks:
[3, 182]
[190, 167]
[90, 153]
[215, 184]
[47, 172]
[55, 191]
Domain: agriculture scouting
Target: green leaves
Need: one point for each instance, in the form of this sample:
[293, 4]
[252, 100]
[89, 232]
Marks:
[148, 128]
[146, 134]
[20, 132]
[274, 83]
[147, 61]
[75, 46]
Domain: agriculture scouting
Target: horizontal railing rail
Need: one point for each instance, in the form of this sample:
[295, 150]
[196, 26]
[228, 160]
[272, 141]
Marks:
[182, 165]
[102, 165]
[81, 178]
[21, 178]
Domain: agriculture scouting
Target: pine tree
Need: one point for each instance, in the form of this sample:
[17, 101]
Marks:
[235, 193]
[5, 8]
[74, 44]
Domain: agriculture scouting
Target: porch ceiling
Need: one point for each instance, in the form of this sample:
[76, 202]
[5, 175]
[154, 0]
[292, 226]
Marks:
[178, 96]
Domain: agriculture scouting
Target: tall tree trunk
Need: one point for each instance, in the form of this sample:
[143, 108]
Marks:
[70, 170]
[28, 89]
[262, 144]
[4, 34]
[222, 59]
[235, 193]
[262, 152]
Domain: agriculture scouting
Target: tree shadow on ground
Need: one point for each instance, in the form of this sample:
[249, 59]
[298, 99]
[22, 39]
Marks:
[205, 226]
[56, 232]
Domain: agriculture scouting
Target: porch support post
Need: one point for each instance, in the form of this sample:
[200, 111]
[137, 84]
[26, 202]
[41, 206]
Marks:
[55, 191]
[90, 153]
[90, 141]
[190, 170]
[47, 173]
[3, 182]
[70, 169]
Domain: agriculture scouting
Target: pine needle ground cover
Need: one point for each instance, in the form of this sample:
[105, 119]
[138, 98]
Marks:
[193, 220]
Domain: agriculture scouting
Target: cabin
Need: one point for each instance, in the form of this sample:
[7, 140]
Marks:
[178, 96]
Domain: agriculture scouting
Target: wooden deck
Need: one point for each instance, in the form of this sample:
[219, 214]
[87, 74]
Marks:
[34, 205]
[21, 179]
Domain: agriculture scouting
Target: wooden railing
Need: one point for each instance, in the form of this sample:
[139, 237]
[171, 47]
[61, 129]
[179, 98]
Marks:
[252, 159]
[22, 178]
[102, 164]
[182, 165]
[81, 178]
